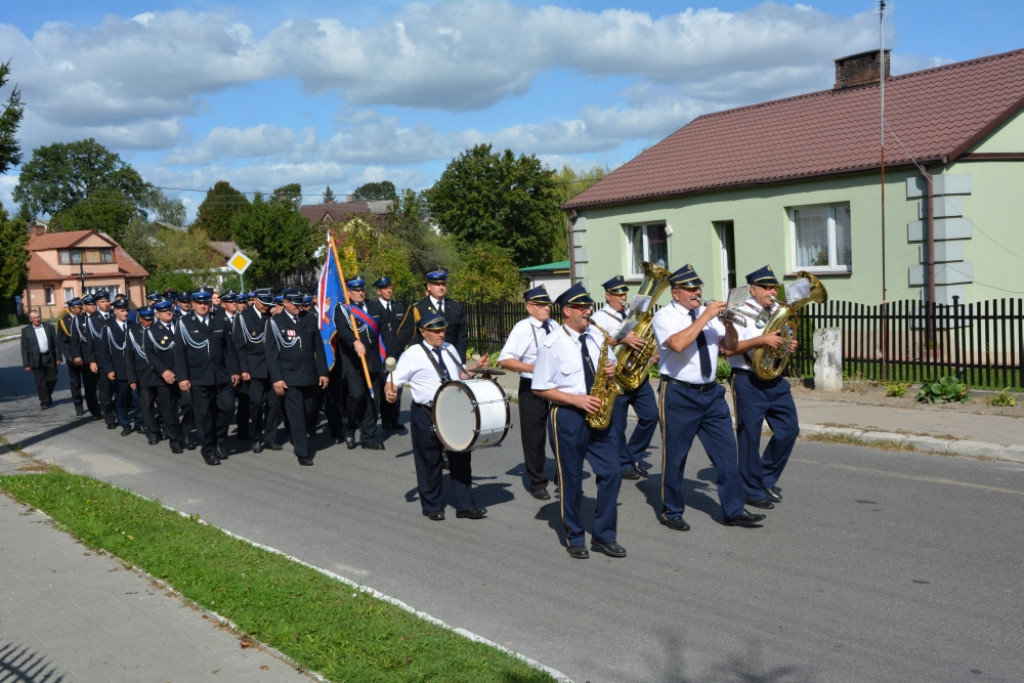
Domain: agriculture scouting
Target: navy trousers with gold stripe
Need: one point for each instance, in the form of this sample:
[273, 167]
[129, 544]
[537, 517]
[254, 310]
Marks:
[572, 441]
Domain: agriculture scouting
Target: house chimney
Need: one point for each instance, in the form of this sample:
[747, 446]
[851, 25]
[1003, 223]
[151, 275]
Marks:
[859, 69]
[36, 229]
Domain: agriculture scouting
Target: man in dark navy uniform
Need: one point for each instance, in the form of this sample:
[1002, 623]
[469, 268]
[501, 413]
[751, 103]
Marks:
[251, 343]
[361, 408]
[396, 337]
[142, 375]
[112, 360]
[437, 303]
[159, 345]
[69, 341]
[298, 369]
[97, 323]
[206, 366]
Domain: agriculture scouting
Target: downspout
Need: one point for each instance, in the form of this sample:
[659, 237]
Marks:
[929, 195]
[570, 223]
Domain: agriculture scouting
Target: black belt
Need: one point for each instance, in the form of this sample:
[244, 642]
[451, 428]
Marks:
[689, 385]
[428, 406]
[743, 371]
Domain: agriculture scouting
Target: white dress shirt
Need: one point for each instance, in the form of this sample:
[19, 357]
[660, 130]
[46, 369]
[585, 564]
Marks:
[523, 342]
[684, 365]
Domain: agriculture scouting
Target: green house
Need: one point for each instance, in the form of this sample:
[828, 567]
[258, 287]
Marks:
[800, 184]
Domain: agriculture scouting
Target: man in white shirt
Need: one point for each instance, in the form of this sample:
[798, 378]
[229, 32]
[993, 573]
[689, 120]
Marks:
[425, 366]
[39, 356]
[564, 374]
[519, 355]
[610, 319]
[692, 402]
[758, 399]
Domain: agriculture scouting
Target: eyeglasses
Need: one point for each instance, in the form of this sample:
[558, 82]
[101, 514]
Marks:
[688, 289]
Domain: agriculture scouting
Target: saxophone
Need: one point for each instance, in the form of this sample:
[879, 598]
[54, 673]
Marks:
[605, 388]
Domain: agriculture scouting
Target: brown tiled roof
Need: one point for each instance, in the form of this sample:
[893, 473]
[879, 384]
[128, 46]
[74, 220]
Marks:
[41, 271]
[126, 265]
[339, 211]
[931, 115]
[58, 240]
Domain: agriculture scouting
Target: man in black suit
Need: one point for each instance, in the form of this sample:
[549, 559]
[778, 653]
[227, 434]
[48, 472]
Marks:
[298, 369]
[158, 344]
[86, 343]
[97, 323]
[397, 330]
[69, 342]
[39, 356]
[141, 374]
[251, 344]
[112, 360]
[437, 303]
[206, 366]
[360, 409]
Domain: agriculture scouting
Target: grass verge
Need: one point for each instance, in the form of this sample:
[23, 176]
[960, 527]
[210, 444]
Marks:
[319, 622]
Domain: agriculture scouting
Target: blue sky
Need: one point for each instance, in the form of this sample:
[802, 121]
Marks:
[264, 93]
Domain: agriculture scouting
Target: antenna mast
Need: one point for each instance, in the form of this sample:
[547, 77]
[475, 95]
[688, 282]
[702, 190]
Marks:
[881, 114]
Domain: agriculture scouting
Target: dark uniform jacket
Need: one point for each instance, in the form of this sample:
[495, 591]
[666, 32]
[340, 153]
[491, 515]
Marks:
[159, 346]
[140, 371]
[69, 339]
[250, 343]
[94, 326]
[457, 333]
[112, 350]
[349, 358]
[397, 334]
[295, 351]
[204, 354]
[30, 355]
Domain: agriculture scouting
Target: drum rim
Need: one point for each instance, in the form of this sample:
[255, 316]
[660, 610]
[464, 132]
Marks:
[464, 388]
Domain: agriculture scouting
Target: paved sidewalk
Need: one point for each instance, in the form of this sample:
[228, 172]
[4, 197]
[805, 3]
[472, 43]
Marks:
[68, 614]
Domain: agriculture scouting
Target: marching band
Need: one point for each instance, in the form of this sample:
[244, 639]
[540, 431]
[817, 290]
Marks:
[183, 369]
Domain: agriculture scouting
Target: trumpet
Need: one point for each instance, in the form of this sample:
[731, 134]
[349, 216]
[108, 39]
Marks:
[736, 317]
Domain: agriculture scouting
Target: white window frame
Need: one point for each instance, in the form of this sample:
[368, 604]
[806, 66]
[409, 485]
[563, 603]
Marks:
[633, 265]
[829, 257]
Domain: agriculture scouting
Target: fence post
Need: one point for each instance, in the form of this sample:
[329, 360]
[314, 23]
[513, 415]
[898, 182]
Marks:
[828, 359]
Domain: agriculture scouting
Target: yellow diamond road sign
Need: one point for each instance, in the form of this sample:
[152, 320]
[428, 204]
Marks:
[239, 262]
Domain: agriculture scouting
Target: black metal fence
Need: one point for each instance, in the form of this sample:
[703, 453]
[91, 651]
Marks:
[908, 341]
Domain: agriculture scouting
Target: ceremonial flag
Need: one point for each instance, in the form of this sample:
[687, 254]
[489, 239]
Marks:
[329, 293]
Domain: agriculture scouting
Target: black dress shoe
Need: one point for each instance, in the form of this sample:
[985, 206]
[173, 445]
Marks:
[153, 440]
[473, 513]
[763, 503]
[630, 474]
[676, 523]
[399, 429]
[126, 431]
[773, 494]
[350, 440]
[97, 418]
[435, 515]
[211, 459]
[610, 549]
[272, 446]
[192, 445]
[541, 494]
[745, 519]
[257, 447]
[578, 552]
[139, 428]
[177, 450]
[639, 469]
[111, 425]
[221, 453]
[306, 462]
[79, 412]
[373, 446]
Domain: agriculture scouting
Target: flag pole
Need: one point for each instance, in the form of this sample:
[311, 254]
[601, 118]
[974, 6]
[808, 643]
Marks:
[351, 317]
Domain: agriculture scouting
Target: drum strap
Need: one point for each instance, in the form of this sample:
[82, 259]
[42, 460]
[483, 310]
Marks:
[436, 362]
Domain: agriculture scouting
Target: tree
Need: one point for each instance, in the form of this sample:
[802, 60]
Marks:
[485, 272]
[61, 175]
[328, 197]
[290, 194]
[166, 210]
[109, 211]
[13, 264]
[384, 190]
[280, 240]
[502, 200]
[217, 210]
[10, 119]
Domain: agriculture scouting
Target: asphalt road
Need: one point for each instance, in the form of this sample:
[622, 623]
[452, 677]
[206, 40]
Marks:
[878, 566]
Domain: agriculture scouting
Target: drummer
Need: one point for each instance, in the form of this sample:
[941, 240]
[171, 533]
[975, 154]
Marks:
[425, 367]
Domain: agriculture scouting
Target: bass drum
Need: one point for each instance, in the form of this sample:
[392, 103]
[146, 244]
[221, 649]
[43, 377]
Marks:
[471, 414]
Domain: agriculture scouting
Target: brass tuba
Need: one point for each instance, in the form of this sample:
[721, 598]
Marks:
[768, 363]
[605, 388]
[632, 365]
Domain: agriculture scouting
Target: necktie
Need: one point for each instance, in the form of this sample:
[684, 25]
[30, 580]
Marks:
[588, 365]
[445, 377]
[547, 326]
[440, 307]
[702, 348]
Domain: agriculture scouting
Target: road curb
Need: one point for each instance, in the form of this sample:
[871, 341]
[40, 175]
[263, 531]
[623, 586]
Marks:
[917, 442]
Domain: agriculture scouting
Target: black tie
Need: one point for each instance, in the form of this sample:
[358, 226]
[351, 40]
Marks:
[445, 377]
[547, 326]
[440, 307]
[702, 347]
[588, 365]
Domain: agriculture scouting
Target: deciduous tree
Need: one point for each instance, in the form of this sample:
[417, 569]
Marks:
[215, 214]
[500, 199]
[13, 263]
[384, 190]
[280, 240]
[10, 119]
